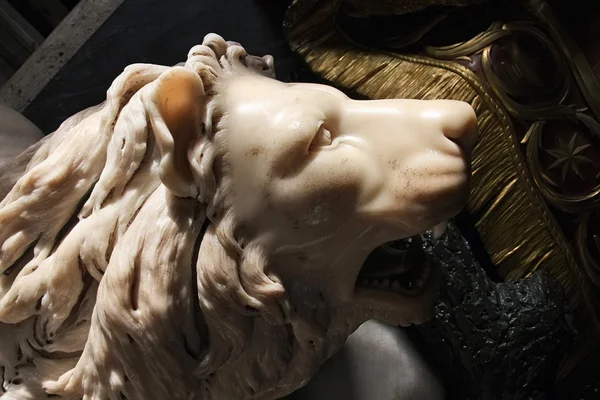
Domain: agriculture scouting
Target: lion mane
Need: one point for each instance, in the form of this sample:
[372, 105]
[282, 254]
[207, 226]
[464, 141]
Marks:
[120, 280]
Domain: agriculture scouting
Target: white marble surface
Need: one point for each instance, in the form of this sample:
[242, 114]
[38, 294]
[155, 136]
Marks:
[378, 362]
[16, 133]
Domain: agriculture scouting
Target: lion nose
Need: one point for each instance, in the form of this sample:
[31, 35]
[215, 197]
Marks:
[458, 122]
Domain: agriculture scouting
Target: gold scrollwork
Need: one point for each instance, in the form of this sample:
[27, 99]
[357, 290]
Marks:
[483, 44]
[582, 242]
[549, 107]
[470, 47]
[575, 204]
[584, 75]
[536, 73]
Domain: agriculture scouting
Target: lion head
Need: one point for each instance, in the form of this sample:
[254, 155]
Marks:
[202, 233]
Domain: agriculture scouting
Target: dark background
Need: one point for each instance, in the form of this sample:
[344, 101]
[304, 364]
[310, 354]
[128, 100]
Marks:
[161, 32]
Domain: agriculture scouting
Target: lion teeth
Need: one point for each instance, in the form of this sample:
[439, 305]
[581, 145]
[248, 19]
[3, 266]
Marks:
[439, 229]
[391, 284]
[399, 285]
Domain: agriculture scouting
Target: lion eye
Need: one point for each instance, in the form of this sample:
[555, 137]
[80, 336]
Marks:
[322, 138]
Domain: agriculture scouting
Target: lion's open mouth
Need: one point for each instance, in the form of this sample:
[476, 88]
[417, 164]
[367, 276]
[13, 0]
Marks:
[400, 266]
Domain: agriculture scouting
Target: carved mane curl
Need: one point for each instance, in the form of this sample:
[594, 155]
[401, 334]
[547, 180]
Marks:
[118, 277]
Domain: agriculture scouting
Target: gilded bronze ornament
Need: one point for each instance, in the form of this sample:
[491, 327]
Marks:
[536, 178]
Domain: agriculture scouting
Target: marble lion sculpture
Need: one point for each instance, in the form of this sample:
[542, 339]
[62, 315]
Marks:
[202, 233]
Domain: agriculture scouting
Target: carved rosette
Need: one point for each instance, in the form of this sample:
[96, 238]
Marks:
[536, 169]
[528, 71]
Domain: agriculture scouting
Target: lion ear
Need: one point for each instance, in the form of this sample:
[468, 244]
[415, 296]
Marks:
[175, 106]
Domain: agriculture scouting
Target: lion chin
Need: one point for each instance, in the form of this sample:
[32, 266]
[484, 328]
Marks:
[211, 233]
